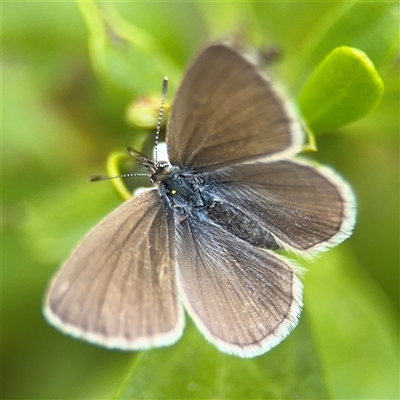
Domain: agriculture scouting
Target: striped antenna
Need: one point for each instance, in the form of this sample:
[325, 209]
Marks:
[164, 95]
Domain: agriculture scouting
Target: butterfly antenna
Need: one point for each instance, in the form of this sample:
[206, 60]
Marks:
[98, 178]
[164, 95]
[145, 161]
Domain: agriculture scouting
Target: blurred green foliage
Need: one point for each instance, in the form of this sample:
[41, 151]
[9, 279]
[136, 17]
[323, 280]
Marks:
[344, 87]
[69, 73]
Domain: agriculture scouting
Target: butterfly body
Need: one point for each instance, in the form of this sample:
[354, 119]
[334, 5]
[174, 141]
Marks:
[196, 195]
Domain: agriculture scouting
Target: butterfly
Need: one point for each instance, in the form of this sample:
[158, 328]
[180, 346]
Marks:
[204, 238]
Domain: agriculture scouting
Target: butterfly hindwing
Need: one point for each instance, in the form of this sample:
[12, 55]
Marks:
[244, 299]
[306, 207]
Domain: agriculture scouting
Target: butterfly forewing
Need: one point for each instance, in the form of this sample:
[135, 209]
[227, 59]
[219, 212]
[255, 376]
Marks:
[226, 111]
[244, 299]
[305, 207]
[118, 287]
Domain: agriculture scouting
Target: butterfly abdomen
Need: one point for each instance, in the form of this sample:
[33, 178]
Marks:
[239, 224]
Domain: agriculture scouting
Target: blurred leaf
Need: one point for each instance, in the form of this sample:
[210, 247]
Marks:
[229, 19]
[144, 112]
[383, 123]
[24, 91]
[114, 159]
[124, 54]
[355, 326]
[342, 89]
[194, 369]
[372, 168]
[178, 26]
[286, 24]
[372, 27]
[72, 209]
[37, 28]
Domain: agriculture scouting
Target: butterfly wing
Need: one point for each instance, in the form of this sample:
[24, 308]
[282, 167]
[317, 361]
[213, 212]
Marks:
[118, 287]
[245, 300]
[305, 206]
[226, 111]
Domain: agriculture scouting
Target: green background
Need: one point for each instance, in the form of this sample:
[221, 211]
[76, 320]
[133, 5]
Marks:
[69, 72]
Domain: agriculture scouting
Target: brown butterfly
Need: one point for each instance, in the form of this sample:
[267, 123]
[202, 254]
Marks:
[204, 237]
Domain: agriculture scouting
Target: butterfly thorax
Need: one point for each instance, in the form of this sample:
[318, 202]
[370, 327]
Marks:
[182, 188]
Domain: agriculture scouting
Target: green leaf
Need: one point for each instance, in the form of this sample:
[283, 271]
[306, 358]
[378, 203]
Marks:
[119, 162]
[342, 89]
[372, 27]
[355, 326]
[74, 208]
[114, 159]
[124, 54]
[194, 369]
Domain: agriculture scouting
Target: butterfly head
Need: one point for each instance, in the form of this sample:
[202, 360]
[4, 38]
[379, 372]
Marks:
[159, 171]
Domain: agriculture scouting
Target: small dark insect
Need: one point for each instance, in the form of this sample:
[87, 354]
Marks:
[203, 238]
